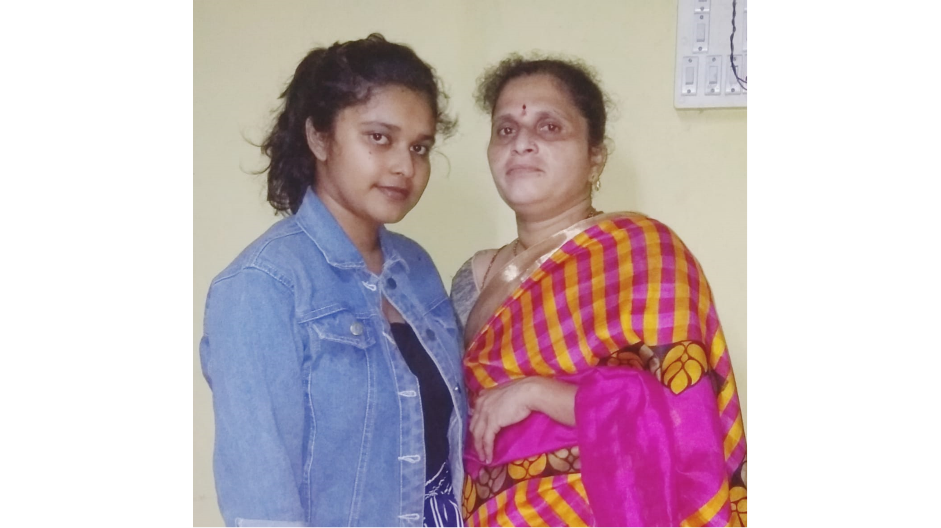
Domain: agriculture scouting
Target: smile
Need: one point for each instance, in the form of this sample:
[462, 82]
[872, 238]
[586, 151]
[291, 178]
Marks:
[395, 193]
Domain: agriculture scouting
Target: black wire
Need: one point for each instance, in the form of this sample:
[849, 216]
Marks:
[732, 53]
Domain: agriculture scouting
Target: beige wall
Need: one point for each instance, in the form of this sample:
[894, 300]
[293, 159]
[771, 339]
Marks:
[685, 168]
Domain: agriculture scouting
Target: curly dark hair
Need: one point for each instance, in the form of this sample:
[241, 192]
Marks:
[324, 83]
[577, 79]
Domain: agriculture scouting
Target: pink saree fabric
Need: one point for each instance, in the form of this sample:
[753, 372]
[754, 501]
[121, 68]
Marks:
[618, 306]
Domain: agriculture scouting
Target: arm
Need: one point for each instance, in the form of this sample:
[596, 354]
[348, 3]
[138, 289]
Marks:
[512, 402]
[252, 361]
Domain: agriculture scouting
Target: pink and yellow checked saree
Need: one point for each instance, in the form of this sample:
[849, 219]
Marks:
[617, 305]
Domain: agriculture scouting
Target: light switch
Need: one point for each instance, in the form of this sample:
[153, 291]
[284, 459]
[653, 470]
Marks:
[700, 32]
[690, 74]
[732, 87]
[714, 62]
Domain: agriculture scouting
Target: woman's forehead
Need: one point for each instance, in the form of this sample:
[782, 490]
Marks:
[397, 106]
[523, 95]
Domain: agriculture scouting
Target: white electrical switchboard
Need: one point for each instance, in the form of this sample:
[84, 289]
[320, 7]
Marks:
[711, 63]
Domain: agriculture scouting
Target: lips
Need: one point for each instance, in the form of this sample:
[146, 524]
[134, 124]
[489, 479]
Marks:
[520, 168]
[394, 192]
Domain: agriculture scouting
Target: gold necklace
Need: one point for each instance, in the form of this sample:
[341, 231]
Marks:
[492, 259]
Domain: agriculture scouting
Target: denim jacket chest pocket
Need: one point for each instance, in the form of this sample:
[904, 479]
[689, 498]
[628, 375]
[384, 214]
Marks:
[339, 324]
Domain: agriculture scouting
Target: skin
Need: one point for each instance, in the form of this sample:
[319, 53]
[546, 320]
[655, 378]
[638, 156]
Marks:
[542, 164]
[540, 158]
[374, 165]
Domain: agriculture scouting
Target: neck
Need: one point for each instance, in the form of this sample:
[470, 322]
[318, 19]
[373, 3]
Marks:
[368, 246]
[533, 229]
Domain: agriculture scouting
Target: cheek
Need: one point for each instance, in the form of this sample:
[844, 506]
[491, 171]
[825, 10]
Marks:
[570, 167]
[495, 149]
[423, 173]
[494, 156]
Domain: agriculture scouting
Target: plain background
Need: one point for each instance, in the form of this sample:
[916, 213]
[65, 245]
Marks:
[685, 168]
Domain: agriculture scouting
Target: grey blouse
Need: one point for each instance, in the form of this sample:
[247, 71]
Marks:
[464, 291]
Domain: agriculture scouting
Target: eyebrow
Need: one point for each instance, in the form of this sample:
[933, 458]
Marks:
[541, 114]
[396, 128]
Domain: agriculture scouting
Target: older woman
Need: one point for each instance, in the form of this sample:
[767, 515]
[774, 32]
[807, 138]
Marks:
[602, 386]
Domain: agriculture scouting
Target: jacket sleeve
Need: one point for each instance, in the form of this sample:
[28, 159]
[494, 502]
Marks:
[251, 354]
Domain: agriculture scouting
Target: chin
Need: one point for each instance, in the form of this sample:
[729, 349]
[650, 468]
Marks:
[391, 216]
[522, 199]
[393, 219]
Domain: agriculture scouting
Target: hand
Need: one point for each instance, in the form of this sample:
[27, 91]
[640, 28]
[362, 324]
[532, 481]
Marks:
[497, 408]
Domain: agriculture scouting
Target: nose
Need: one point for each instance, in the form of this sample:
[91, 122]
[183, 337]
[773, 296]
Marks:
[524, 142]
[402, 163]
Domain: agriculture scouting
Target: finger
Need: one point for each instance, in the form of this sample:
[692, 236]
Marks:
[473, 421]
[488, 436]
[482, 429]
[476, 433]
[478, 446]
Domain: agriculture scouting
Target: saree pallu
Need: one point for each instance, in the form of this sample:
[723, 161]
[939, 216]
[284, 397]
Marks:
[618, 306]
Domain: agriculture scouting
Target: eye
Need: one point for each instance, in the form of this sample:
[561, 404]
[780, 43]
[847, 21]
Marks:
[421, 150]
[551, 127]
[504, 131]
[379, 138]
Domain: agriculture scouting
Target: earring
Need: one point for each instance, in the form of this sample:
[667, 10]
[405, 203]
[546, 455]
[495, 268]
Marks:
[595, 182]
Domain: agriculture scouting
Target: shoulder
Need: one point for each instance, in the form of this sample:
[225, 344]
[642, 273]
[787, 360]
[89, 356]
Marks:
[463, 280]
[272, 253]
[631, 220]
[646, 230]
[465, 286]
[472, 271]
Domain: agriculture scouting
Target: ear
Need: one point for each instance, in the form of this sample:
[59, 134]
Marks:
[598, 156]
[316, 141]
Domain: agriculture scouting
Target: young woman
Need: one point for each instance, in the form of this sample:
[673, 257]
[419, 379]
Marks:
[601, 385]
[330, 344]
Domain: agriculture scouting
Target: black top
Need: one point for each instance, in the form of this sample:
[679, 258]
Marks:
[436, 403]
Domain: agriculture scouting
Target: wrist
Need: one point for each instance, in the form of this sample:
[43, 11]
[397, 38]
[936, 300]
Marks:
[535, 392]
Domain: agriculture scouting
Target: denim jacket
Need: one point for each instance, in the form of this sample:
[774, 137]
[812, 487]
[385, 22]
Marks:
[318, 418]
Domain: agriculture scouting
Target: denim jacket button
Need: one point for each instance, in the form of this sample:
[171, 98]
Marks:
[390, 283]
[356, 328]
[430, 334]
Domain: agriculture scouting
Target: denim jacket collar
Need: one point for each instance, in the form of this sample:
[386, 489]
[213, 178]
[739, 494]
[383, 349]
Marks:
[320, 225]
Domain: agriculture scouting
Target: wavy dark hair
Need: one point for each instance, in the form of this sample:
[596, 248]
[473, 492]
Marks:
[324, 83]
[577, 79]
